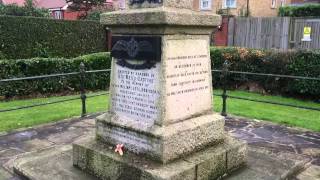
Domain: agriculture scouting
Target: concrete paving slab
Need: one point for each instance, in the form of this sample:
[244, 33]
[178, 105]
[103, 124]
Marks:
[53, 163]
[65, 137]
[248, 174]
[10, 152]
[265, 164]
[277, 138]
[35, 144]
[311, 173]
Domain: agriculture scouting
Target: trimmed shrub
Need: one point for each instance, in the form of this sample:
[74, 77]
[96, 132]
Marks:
[308, 10]
[45, 66]
[305, 63]
[26, 10]
[27, 37]
[296, 63]
[94, 15]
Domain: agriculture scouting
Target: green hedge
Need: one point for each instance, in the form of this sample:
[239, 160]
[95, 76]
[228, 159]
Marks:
[296, 63]
[27, 37]
[308, 10]
[26, 10]
[44, 66]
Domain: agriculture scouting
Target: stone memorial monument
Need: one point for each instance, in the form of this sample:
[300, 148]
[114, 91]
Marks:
[161, 107]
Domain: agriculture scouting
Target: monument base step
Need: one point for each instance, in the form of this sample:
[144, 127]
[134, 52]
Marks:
[100, 160]
[56, 163]
[162, 143]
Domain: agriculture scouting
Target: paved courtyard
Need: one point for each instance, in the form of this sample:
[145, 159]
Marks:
[258, 134]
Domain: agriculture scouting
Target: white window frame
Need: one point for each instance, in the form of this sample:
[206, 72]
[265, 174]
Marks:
[225, 4]
[122, 4]
[273, 4]
[58, 14]
[209, 6]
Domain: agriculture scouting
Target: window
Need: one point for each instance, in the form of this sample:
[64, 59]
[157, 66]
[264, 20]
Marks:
[230, 4]
[122, 4]
[273, 3]
[205, 4]
[283, 3]
[57, 15]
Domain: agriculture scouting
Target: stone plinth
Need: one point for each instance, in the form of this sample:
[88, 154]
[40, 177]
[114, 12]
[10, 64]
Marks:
[163, 143]
[161, 106]
[96, 158]
[161, 21]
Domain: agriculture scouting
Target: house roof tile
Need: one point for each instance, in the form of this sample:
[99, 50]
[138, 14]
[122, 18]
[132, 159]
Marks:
[50, 4]
[17, 2]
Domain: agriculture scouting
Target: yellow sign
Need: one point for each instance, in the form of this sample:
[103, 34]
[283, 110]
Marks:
[307, 31]
[306, 34]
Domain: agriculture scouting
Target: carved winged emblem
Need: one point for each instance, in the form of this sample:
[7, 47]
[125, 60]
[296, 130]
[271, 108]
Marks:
[132, 47]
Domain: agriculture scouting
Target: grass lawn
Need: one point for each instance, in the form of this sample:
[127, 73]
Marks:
[289, 116]
[280, 114]
[44, 114]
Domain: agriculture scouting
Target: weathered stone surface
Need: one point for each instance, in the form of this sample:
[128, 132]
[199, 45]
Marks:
[100, 160]
[187, 80]
[160, 16]
[211, 162]
[235, 156]
[185, 4]
[311, 173]
[161, 30]
[163, 143]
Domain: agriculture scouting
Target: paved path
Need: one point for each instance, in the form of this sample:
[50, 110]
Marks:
[273, 137]
[276, 138]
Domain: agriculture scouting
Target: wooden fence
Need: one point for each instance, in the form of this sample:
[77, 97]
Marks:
[273, 32]
[297, 34]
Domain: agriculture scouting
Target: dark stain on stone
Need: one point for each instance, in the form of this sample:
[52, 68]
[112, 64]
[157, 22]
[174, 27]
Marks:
[129, 173]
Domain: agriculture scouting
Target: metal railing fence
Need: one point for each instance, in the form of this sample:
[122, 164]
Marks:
[82, 75]
[224, 77]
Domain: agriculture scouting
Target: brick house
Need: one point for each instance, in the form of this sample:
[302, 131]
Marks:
[257, 8]
[300, 2]
[17, 2]
[58, 8]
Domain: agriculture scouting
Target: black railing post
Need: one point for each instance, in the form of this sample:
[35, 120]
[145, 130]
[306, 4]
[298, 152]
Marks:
[224, 93]
[82, 89]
